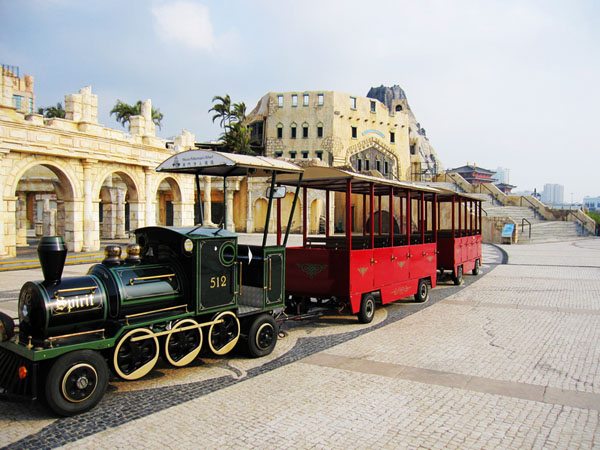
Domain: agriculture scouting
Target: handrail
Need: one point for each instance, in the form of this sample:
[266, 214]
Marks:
[535, 207]
[523, 220]
[582, 223]
[484, 211]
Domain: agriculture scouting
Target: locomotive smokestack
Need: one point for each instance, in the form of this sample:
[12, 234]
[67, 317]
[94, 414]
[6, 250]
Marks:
[52, 253]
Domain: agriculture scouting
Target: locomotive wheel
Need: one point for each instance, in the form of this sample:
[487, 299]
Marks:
[367, 309]
[182, 347]
[458, 279]
[76, 382]
[476, 268]
[262, 336]
[222, 337]
[422, 294]
[134, 359]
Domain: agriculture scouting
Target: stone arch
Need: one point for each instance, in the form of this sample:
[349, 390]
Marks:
[123, 213]
[48, 202]
[169, 202]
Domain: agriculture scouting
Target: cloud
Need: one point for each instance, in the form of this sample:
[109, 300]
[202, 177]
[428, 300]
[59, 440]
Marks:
[185, 23]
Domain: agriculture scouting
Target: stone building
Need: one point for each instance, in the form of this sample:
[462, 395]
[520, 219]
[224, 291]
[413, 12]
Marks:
[374, 133]
[79, 179]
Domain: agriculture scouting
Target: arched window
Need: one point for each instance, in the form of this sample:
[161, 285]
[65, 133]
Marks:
[279, 130]
[398, 108]
[293, 130]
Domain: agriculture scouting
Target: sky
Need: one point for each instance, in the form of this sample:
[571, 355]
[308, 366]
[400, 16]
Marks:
[499, 83]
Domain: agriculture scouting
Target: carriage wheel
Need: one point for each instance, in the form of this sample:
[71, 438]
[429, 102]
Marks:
[422, 294]
[458, 279]
[367, 309]
[182, 347]
[76, 382]
[262, 336]
[476, 268]
[134, 359]
[223, 336]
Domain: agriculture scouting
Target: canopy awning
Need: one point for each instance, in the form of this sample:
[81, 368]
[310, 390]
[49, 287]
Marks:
[335, 179]
[211, 163]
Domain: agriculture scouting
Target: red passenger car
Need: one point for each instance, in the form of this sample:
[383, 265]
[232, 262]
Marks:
[459, 234]
[382, 249]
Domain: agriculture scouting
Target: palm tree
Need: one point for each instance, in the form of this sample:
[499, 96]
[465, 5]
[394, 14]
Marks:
[222, 110]
[124, 111]
[53, 111]
[236, 139]
[239, 112]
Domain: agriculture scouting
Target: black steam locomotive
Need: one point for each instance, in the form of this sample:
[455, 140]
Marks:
[175, 288]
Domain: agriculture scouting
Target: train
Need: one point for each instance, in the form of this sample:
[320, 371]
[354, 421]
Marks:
[177, 291]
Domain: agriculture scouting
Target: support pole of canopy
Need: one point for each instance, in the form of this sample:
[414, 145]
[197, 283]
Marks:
[289, 225]
[349, 213]
[268, 219]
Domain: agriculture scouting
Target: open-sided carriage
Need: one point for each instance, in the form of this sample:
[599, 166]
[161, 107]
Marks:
[459, 234]
[386, 251]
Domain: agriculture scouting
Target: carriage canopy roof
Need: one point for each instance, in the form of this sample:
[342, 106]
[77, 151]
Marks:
[208, 162]
[335, 179]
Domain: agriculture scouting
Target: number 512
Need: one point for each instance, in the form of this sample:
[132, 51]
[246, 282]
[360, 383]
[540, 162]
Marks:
[217, 282]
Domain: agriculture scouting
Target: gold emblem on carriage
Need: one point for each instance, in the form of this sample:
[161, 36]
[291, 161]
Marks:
[401, 264]
[430, 258]
[400, 292]
[363, 270]
[312, 269]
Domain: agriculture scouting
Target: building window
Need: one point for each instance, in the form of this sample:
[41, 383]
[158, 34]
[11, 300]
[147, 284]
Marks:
[378, 165]
[354, 132]
[279, 131]
[319, 154]
[305, 131]
[353, 102]
[293, 154]
[398, 108]
[359, 165]
[319, 131]
[293, 135]
[305, 154]
[413, 149]
[305, 100]
[392, 137]
[30, 105]
[280, 101]
[367, 165]
[373, 106]
[386, 168]
[17, 99]
[278, 153]
[294, 100]
[320, 99]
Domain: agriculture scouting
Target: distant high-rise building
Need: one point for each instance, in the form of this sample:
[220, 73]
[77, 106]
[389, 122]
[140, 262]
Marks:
[502, 175]
[553, 194]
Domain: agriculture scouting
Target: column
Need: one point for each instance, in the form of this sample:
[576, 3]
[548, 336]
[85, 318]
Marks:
[207, 201]
[230, 224]
[3, 230]
[90, 226]
[21, 219]
[150, 214]
[120, 213]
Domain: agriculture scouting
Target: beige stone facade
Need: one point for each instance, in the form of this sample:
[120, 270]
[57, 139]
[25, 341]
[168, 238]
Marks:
[344, 130]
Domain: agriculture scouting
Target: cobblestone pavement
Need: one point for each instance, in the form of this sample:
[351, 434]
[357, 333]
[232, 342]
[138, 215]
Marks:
[509, 360]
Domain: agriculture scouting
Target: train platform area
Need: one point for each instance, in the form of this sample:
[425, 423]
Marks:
[510, 359]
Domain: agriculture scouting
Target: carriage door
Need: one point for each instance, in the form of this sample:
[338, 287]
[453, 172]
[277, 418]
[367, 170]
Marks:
[274, 271]
[218, 279]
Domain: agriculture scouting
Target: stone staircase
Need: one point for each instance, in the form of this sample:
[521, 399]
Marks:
[542, 230]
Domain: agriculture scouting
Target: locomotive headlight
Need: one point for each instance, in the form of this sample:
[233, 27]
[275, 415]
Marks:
[24, 306]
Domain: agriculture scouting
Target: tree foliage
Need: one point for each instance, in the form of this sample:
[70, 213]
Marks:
[232, 118]
[53, 111]
[124, 111]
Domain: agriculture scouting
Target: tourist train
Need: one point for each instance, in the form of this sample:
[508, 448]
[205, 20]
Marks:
[177, 291]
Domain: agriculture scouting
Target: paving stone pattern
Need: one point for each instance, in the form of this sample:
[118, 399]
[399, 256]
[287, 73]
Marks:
[499, 363]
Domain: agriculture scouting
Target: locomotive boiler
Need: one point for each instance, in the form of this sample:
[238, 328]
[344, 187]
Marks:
[174, 290]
